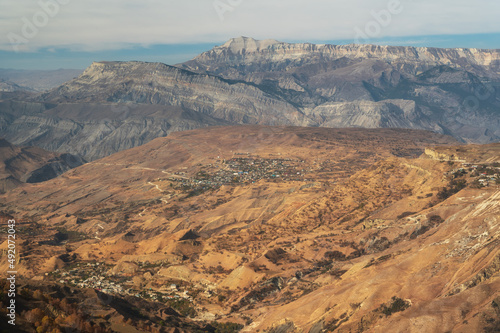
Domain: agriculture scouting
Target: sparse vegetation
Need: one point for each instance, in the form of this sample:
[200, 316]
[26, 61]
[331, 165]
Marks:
[183, 306]
[434, 220]
[335, 255]
[455, 186]
[268, 243]
[395, 305]
[405, 214]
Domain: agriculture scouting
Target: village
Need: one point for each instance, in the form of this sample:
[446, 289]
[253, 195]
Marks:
[240, 170]
[96, 276]
[481, 175]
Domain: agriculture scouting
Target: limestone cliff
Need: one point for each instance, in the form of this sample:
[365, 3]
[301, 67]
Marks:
[279, 55]
[453, 91]
[114, 106]
[156, 83]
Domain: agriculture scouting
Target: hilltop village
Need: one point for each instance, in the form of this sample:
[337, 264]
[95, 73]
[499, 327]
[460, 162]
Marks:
[98, 276]
[241, 170]
[480, 175]
[245, 168]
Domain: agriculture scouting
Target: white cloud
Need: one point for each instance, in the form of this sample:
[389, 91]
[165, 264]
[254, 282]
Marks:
[93, 25]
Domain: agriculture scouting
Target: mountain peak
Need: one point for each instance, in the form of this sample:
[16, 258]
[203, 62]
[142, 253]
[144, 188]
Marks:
[248, 44]
[245, 50]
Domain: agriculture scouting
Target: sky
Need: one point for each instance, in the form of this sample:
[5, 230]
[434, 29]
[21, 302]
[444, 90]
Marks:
[51, 34]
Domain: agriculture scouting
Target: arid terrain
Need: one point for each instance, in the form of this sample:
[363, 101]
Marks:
[20, 165]
[265, 229]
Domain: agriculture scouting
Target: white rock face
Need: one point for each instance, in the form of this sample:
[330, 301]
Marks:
[248, 45]
[271, 50]
[119, 105]
[356, 85]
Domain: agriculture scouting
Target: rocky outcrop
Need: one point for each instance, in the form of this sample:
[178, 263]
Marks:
[160, 84]
[440, 156]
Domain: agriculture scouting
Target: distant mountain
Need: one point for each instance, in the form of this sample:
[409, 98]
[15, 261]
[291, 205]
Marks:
[114, 106]
[20, 165]
[39, 80]
[453, 91]
[156, 83]
[8, 86]
[236, 56]
[94, 130]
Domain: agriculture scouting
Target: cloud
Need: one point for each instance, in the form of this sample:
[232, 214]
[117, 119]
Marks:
[93, 25]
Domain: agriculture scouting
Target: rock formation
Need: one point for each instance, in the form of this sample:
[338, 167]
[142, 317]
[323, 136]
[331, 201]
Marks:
[119, 105]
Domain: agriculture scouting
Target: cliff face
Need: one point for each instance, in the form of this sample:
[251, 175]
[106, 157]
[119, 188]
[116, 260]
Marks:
[453, 90]
[272, 54]
[94, 130]
[156, 83]
[119, 105]
[114, 106]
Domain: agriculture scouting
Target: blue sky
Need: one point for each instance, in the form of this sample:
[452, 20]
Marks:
[51, 34]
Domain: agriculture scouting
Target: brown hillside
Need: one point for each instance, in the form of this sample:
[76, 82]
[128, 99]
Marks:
[279, 229]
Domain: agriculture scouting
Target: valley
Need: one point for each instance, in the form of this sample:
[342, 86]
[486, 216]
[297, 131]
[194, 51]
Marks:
[267, 229]
[19, 165]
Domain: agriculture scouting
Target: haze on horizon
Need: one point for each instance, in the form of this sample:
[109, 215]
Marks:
[48, 34]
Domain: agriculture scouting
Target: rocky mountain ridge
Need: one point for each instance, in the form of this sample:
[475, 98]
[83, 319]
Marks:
[156, 83]
[118, 105]
[455, 91]
[278, 55]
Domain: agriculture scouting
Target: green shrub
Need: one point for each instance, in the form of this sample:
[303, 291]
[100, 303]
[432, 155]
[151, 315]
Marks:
[396, 305]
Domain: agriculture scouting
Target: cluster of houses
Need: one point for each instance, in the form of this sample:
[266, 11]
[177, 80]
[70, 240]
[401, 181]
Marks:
[483, 174]
[101, 284]
[253, 169]
[241, 170]
[94, 276]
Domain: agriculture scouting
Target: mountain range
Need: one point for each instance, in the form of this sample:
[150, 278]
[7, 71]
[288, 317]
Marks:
[259, 187]
[113, 106]
[451, 91]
